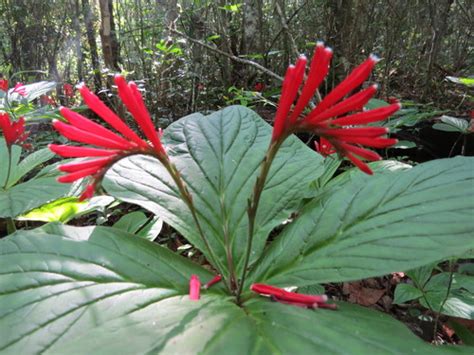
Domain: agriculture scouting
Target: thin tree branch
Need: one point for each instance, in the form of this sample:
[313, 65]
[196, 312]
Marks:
[228, 55]
[281, 29]
[284, 25]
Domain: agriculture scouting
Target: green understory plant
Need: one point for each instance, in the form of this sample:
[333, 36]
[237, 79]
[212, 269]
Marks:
[458, 125]
[30, 101]
[225, 182]
[450, 293]
[20, 191]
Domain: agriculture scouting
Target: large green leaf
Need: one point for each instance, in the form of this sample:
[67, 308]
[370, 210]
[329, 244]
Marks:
[219, 156]
[9, 159]
[374, 225]
[59, 282]
[86, 290]
[23, 197]
[378, 167]
[66, 208]
[216, 326]
[28, 164]
[139, 224]
[453, 124]
[405, 293]
[20, 198]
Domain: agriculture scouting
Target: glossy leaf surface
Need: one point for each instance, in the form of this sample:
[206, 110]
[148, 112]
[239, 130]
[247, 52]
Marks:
[371, 226]
[219, 156]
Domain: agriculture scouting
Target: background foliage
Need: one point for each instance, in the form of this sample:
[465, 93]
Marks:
[420, 41]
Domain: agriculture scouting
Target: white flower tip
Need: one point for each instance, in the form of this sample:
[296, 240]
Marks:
[375, 86]
[81, 85]
[375, 58]
[320, 44]
[302, 57]
[328, 50]
[325, 298]
[399, 104]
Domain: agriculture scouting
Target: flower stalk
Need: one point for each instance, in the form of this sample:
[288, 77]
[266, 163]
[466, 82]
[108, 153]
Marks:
[292, 298]
[253, 204]
[188, 200]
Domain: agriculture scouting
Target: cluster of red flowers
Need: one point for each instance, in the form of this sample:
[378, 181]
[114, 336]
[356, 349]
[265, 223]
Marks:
[20, 89]
[259, 86]
[111, 146]
[334, 119]
[3, 85]
[68, 90]
[14, 132]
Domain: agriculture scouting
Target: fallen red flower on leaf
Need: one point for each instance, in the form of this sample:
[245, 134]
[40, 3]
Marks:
[292, 298]
[213, 281]
[194, 288]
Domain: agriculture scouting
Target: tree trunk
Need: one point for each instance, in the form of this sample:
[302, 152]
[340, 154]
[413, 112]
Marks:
[249, 27]
[110, 46]
[78, 44]
[89, 22]
[439, 25]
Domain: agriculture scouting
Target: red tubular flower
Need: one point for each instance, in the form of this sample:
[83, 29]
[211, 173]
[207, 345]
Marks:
[3, 85]
[213, 281]
[88, 192]
[109, 146]
[20, 89]
[334, 117]
[14, 132]
[297, 299]
[194, 288]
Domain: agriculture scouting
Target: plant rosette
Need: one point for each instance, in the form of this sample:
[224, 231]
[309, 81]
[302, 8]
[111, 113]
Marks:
[225, 182]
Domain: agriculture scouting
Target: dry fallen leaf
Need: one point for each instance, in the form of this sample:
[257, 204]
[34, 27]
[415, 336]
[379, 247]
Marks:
[362, 295]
